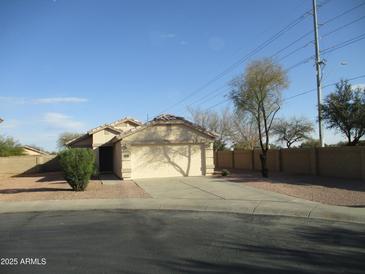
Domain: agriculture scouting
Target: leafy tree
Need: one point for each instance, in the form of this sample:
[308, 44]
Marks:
[292, 130]
[66, 137]
[344, 110]
[10, 147]
[258, 93]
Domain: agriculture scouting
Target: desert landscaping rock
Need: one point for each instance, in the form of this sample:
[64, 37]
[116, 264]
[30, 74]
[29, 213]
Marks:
[51, 186]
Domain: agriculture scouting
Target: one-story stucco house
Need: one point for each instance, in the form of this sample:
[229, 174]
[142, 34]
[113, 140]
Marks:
[167, 146]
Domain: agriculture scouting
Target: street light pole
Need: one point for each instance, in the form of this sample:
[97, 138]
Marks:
[319, 73]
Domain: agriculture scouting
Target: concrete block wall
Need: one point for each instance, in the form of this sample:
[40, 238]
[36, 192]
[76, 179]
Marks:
[28, 164]
[340, 162]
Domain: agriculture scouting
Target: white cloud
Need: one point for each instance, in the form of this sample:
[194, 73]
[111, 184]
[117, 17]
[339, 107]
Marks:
[46, 100]
[12, 100]
[183, 43]
[59, 100]
[62, 121]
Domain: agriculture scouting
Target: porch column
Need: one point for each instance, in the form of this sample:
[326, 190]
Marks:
[96, 153]
[209, 159]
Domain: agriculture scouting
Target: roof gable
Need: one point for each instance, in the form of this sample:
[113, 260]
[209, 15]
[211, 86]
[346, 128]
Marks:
[168, 119]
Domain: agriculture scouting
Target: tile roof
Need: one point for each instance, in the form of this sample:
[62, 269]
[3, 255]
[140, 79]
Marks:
[166, 118]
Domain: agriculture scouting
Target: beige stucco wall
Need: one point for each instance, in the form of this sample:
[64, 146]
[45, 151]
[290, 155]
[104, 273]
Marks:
[167, 133]
[167, 151]
[148, 161]
[17, 165]
[102, 137]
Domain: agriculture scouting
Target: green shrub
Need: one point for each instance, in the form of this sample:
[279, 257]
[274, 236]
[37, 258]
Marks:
[10, 147]
[78, 166]
[225, 172]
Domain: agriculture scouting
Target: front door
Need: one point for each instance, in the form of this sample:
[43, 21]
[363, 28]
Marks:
[106, 159]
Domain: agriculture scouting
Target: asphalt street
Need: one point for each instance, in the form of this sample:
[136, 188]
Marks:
[121, 241]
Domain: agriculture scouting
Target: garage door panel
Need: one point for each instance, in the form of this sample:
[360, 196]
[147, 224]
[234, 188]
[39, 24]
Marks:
[166, 161]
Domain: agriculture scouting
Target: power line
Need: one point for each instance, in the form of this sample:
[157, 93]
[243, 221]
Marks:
[344, 44]
[325, 86]
[325, 35]
[273, 38]
[246, 57]
[343, 26]
[296, 95]
[343, 13]
[306, 60]
[216, 91]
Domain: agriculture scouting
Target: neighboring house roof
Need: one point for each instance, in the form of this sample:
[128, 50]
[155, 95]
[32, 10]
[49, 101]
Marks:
[97, 129]
[74, 140]
[105, 126]
[126, 119]
[166, 119]
[36, 150]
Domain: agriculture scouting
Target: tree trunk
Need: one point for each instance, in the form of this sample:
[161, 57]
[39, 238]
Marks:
[264, 170]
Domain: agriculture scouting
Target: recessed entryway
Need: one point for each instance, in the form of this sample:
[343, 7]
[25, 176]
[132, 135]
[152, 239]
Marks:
[106, 159]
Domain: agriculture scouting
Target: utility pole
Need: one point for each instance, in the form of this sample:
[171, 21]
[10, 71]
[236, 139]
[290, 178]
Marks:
[319, 73]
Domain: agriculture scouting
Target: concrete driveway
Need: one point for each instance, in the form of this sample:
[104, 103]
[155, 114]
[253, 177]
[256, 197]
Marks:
[207, 188]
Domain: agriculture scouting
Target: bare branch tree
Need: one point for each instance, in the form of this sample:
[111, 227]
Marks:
[220, 123]
[65, 137]
[244, 133]
[258, 93]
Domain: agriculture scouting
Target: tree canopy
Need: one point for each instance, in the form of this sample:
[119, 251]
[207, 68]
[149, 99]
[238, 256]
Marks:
[10, 147]
[258, 93]
[344, 110]
[290, 131]
[66, 137]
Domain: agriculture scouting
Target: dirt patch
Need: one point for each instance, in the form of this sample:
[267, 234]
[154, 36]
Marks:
[52, 186]
[330, 191]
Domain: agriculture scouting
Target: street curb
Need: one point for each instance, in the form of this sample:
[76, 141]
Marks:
[307, 210]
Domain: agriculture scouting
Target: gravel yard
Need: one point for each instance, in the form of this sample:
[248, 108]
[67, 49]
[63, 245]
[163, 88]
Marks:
[52, 186]
[319, 189]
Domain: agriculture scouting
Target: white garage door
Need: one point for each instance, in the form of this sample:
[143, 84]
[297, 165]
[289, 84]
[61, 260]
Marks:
[151, 161]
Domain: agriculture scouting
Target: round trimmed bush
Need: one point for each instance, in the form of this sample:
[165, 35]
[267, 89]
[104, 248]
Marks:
[78, 165]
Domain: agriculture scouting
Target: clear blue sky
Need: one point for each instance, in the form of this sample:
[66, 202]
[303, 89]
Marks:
[73, 65]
